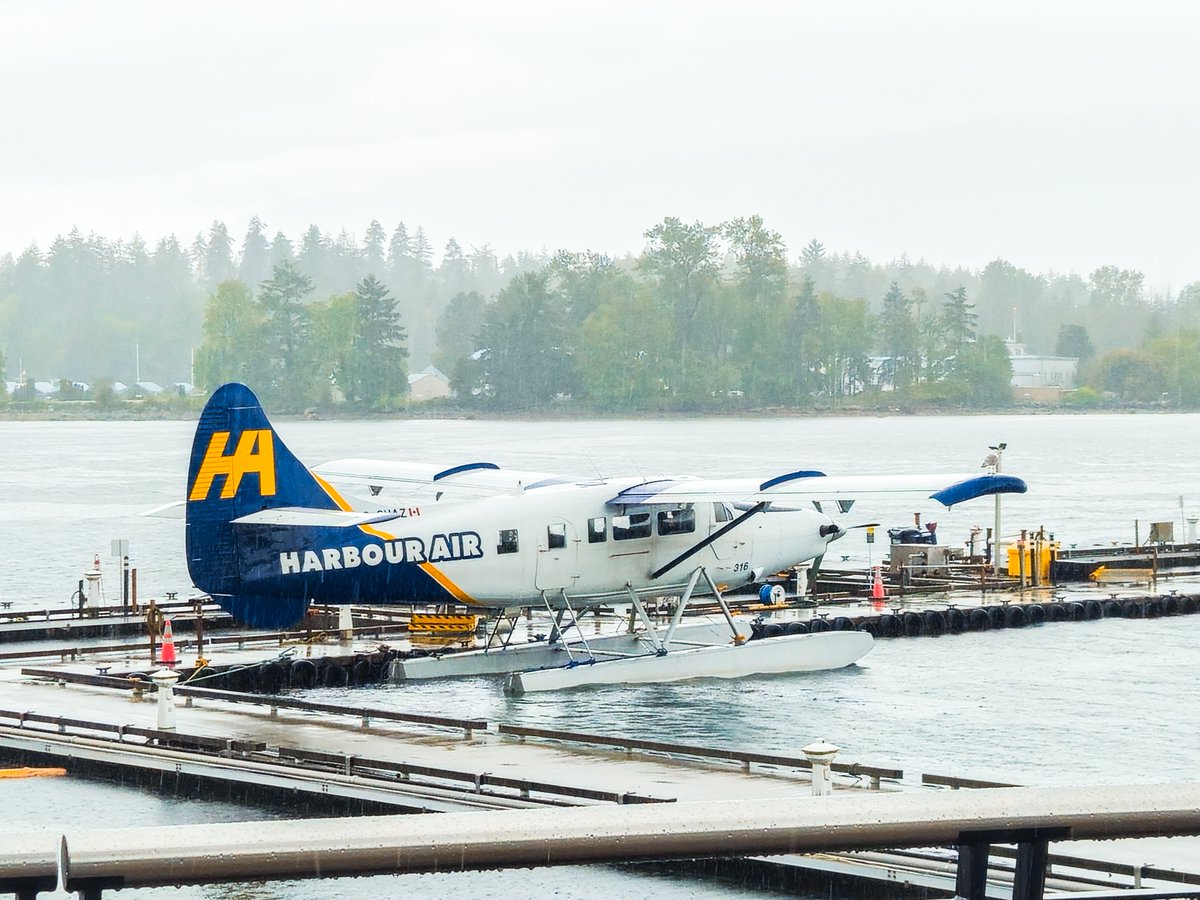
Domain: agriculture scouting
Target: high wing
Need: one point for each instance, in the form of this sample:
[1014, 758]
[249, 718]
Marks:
[817, 486]
[425, 482]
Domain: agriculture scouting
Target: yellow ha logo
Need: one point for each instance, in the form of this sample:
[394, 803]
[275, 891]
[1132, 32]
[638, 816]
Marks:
[255, 453]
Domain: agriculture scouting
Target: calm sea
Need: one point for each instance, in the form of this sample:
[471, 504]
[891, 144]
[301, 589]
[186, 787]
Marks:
[1107, 701]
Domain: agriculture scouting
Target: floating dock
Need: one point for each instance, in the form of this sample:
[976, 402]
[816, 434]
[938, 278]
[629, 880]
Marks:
[262, 738]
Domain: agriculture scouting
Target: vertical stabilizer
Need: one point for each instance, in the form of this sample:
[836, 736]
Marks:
[240, 466]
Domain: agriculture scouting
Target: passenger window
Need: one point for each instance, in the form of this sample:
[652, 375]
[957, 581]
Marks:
[556, 536]
[677, 521]
[597, 530]
[626, 528]
[721, 513]
[508, 541]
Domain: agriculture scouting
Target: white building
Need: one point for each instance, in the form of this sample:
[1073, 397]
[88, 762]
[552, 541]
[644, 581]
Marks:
[428, 384]
[1034, 371]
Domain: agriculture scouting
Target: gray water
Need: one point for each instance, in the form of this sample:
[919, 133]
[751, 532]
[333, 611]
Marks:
[1058, 704]
[67, 489]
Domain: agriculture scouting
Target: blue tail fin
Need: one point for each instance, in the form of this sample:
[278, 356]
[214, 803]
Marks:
[240, 466]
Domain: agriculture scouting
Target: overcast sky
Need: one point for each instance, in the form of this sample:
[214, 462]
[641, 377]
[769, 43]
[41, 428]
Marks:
[1056, 135]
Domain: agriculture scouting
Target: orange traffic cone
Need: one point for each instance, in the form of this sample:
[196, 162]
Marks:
[168, 657]
[877, 586]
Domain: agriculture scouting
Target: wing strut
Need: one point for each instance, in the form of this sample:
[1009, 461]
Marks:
[719, 533]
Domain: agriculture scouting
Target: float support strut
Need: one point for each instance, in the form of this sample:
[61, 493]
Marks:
[636, 602]
[683, 602]
[721, 602]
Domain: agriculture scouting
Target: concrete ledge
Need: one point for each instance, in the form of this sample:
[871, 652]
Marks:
[29, 863]
[142, 857]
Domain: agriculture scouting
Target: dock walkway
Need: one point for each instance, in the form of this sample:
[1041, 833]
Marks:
[591, 769]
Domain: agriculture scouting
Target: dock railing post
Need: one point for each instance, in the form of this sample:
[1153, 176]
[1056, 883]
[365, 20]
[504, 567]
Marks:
[970, 881]
[1029, 878]
[165, 680]
[1022, 546]
[821, 753]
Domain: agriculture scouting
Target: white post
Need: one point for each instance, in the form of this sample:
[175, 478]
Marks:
[1191, 529]
[821, 754]
[165, 680]
[994, 459]
[346, 623]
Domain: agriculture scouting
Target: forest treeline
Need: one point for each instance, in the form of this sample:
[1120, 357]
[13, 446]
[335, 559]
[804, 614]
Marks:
[706, 316]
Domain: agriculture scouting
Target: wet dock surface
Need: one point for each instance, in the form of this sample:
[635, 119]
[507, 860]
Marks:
[435, 747]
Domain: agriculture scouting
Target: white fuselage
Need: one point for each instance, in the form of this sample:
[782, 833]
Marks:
[564, 538]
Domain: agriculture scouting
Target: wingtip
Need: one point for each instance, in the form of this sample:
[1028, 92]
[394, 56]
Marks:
[980, 486]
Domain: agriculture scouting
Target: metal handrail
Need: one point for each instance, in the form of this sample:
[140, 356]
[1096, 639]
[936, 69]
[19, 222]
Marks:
[742, 756]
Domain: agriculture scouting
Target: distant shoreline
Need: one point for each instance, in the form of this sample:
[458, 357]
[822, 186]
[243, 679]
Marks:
[70, 412]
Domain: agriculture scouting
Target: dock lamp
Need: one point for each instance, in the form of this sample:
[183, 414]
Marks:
[992, 463]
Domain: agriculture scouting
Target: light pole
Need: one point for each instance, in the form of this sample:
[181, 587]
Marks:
[992, 461]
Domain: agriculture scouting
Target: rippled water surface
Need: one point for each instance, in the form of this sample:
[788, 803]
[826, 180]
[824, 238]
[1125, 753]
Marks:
[1105, 701]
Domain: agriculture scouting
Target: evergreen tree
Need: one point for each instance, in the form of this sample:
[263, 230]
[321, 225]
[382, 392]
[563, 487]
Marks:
[897, 339]
[218, 256]
[314, 253]
[801, 356]
[374, 250]
[452, 273]
[399, 254]
[281, 250]
[285, 329]
[812, 254]
[1073, 341]
[484, 270]
[526, 360]
[958, 320]
[375, 372]
[256, 262]
[422, 251]
[457, 328]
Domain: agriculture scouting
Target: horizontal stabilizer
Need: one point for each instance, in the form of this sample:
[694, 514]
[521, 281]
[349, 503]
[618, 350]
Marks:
[304, 516]
[176, 509]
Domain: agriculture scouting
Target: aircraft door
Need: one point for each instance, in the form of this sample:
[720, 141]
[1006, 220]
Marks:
[557, 557]
[722, 514]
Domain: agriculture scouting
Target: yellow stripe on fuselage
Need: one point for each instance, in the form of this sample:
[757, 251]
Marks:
[332, 492]
[346, 507]
[375, 532]
[449, 586]
[431, 570]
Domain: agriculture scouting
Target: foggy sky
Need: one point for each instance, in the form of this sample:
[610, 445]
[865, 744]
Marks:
[1058, 136]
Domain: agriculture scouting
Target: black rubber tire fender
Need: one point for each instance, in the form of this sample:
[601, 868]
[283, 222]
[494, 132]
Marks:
[302, 674]
[914, 626]
[935, 623]
[1015, 617]
[979, 620]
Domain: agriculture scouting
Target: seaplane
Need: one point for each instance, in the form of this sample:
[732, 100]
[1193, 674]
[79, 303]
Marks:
[266, 536]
